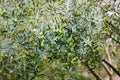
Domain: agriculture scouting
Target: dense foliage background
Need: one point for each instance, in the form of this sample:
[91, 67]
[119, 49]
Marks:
[58, 39]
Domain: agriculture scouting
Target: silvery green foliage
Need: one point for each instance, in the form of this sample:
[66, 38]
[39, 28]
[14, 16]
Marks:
[49, 35]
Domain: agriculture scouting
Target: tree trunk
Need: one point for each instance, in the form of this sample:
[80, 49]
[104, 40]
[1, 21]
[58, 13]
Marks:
[91, 70]
[111, 66]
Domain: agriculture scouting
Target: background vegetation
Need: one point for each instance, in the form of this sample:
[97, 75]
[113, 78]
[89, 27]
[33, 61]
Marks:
[59, 39]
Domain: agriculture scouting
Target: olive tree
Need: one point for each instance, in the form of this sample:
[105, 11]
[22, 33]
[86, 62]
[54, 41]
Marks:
[54, 40]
